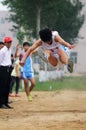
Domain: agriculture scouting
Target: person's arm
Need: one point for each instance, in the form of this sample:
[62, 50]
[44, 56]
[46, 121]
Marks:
[30, 50]
[17, 68]
[63, 42]
[2, 52]
[17, 54]
[34, 51]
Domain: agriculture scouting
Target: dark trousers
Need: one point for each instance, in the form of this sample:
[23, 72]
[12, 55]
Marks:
[5, 73]
[13, 81]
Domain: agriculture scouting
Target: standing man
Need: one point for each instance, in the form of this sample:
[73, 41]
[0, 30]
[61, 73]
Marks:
[15, 75]
[5, 73]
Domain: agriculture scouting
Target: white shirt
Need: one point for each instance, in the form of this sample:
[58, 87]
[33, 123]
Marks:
[54, 44]
[5, 56]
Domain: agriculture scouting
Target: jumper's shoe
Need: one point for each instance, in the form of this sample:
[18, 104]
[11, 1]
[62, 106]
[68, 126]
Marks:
[70, 66]
[30, 98]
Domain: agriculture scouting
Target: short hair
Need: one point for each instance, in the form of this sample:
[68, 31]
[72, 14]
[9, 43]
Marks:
[45, 34]
[26, 43]
[1, 43]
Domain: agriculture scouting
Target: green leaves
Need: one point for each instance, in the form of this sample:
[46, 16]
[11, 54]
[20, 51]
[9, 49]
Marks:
[61, 15]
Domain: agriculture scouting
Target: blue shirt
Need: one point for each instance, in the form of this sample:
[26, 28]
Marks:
[28, 68]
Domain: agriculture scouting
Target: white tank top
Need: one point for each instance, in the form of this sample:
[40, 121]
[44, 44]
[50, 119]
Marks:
[54, 44]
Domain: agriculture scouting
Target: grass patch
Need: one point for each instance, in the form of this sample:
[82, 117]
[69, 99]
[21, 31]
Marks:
[74, 83]
[68, 83]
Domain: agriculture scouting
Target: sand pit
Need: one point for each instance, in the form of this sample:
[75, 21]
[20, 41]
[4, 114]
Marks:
[57, 110]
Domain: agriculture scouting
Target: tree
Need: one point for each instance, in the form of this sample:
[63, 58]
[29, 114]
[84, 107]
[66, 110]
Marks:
[20, 36]
[61, 15]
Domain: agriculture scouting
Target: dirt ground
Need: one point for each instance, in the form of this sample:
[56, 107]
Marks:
[58, 110]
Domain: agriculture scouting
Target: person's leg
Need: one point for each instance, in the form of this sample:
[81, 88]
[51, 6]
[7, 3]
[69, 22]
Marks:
[17, 85]
[63, 57]
[32, 84]
[32, 81]
[70, 66]
[3, 82]
[6, 94]
[12, 84]
[51, 58]
[26, 86]
[7, 88]
[64, 54]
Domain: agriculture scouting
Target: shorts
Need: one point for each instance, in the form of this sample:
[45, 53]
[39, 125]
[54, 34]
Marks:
[44, 56]
[66, 49]
[27, 75]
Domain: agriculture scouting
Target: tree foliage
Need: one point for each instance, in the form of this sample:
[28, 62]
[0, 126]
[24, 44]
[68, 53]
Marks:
[61, 15]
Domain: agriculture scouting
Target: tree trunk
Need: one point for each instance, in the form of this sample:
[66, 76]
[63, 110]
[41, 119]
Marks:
[38, 21]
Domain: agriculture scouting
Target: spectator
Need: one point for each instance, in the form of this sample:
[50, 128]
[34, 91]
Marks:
[15, 75]
[5, 73]
[28, 72]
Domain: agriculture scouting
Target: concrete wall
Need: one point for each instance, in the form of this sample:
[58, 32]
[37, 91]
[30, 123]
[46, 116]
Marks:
[5, 27]
[80, 67]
